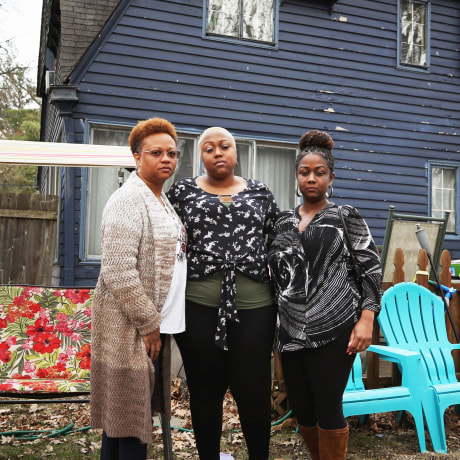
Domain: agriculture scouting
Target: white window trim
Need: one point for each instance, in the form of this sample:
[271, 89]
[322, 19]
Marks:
[415, 68]
[241, 41]
[446, 165]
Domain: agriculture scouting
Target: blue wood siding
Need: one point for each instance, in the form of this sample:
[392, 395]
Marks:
[335, 72]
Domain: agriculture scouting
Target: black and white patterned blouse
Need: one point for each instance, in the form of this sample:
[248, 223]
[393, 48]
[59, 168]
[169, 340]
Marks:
[226, 237]
[312, 274]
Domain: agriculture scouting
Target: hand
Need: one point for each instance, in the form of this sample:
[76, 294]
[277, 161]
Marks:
[152, 343]
[361, 335]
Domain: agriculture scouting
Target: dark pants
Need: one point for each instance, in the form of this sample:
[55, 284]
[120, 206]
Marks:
[315, 380]
[245, 368]
[122, 448]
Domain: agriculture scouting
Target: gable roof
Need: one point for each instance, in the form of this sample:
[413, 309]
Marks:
[68, 29]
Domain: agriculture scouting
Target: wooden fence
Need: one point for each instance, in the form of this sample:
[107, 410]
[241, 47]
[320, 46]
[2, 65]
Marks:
[375, 379]
[28, 224]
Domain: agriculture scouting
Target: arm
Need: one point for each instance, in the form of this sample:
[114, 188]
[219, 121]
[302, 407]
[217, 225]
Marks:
[368, 258]
[121, 237]
[152, 343]
[361, 335]
[271, 216]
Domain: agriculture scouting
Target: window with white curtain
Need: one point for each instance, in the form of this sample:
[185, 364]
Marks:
[272, 164]
[413, 33]
[241, 19]
[102, 182]
[275, 167]
[444, 194]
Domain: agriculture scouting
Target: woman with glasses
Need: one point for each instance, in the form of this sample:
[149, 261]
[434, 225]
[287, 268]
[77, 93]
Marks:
[139, 298]
[230, 313]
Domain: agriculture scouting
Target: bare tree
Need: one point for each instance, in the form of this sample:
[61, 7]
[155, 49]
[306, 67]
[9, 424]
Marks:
[18, 102]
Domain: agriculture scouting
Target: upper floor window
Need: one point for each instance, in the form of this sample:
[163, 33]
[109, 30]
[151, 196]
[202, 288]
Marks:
[444, 193]
[241, 19]
[413, 37]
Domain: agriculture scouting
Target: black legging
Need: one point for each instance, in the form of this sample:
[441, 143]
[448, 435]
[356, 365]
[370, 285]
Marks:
[122, 448]
[245, 368]
[315, 380]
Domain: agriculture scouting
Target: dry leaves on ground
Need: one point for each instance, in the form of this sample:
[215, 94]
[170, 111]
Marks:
[382, 437]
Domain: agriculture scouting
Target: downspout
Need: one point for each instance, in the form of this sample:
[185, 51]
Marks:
[64, 97]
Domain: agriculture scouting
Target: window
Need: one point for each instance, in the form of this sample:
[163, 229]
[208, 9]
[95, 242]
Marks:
[271, 163]
[251, 20]
[413, 40]
[444, 192]
[275, 166]
[102, 182]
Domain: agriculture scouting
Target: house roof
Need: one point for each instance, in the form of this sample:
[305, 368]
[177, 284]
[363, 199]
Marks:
[68, 29]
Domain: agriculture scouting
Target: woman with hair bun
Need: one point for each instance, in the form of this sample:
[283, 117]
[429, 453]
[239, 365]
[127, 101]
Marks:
[324, 319]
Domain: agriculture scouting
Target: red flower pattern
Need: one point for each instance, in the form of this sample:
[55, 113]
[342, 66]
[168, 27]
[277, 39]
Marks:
[46, 343]
[40, 326]
[5, 353]
[6, 387]
[77, 295]
[84, 356]
[34, 335]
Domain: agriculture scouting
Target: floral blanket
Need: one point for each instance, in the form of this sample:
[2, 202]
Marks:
[45, 339]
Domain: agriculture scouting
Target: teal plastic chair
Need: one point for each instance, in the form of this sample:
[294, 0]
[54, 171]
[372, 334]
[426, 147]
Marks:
[407, 397]
[413, 318]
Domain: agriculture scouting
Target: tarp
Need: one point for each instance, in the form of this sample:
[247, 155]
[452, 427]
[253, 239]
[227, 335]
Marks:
[61, 154]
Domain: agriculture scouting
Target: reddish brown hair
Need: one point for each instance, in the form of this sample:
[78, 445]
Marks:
[146, 128]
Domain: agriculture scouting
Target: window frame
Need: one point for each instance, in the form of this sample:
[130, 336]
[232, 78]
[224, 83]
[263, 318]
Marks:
[243, 41]
[197, 166]
[415, 68]
[453, 165]
[83, 237]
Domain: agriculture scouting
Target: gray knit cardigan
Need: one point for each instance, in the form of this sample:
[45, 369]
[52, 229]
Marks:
[138, 257]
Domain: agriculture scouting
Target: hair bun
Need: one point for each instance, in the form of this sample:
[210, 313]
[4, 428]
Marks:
[316, 138]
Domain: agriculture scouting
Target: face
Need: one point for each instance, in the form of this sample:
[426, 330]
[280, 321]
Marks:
[157, 160]
[218, 152]
[314, 177]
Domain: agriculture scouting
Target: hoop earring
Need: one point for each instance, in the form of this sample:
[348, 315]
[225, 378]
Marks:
[297, 191]
[330, 195]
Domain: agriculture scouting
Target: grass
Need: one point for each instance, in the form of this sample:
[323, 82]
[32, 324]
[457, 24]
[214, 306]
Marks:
[382, 437]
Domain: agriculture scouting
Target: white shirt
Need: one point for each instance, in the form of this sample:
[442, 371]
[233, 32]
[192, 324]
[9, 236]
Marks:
[173, 311]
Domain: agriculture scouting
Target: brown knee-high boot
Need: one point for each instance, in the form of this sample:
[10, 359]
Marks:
[310, 436]
[333, 443]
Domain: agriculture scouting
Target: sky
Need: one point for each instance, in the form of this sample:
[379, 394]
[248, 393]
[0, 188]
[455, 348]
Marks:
[20, 21]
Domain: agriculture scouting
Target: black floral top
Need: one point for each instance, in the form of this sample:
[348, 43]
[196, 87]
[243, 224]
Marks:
[313, 276]
[226, 237]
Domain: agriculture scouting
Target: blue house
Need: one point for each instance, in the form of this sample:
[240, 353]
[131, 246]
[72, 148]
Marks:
[382, 77]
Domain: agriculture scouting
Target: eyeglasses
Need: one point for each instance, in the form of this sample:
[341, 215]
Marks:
[172, 154]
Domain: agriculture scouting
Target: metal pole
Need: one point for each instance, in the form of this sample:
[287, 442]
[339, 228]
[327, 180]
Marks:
[425, 244]
[446, 307]
[167, 441]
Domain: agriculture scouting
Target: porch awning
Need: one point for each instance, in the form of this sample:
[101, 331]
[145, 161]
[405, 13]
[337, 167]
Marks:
[62, 154]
